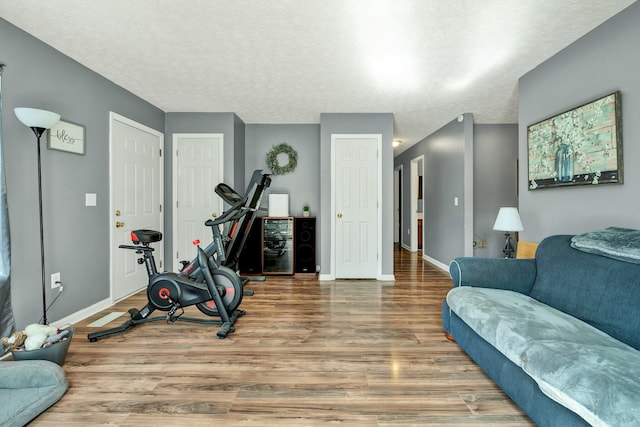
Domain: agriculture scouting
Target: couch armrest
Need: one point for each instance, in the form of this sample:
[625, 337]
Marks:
[500, 273]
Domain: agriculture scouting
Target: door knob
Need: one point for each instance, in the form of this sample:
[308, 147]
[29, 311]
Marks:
[339, 215]
[119, 224]
[117, 213]
[214, 215]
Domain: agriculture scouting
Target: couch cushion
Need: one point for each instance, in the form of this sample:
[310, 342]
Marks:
[534, 336]
[600, 291]
[599, 383]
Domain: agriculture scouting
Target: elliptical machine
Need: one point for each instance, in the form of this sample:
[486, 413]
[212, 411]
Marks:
[172, 292]
[230, 231]
[235, 222]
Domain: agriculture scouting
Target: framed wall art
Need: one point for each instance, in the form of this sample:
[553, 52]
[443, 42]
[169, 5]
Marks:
[67, 136]
[582, 146]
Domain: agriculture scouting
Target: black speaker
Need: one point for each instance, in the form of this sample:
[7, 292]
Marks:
[250, 260]
[304, 229]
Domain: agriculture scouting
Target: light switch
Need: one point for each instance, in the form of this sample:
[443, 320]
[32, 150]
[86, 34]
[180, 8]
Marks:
[90, 199]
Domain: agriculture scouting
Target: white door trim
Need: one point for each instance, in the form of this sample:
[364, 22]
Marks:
[397, 200]
[378, 137]
[174, 178]
[416, 164]
[117, 117]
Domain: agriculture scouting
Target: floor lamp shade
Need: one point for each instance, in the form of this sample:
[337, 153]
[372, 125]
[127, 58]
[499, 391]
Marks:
[35, 118]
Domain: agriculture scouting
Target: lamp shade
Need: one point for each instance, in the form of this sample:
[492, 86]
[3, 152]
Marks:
[508, 220]
[34, 118]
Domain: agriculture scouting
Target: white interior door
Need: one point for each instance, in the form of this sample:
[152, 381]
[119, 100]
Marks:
[356, 221]
[198, 168]
[136, 199]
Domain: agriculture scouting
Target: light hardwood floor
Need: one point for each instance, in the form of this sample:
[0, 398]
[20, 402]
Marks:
[308, 353]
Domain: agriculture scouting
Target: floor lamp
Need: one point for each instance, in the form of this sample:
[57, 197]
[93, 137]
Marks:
[39, 121]
[508, 220]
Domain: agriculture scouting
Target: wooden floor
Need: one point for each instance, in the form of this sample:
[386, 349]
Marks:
[308, 353]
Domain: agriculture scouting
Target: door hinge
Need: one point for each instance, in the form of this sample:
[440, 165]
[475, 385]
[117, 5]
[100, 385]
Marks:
[177, 255]
[176, 204]
[161, 208]
[160, 263]
[161, 152]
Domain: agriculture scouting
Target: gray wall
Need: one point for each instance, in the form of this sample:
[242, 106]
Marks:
[494, 181]
[234, 145]
[364, 123]
[239, 153]
[444, 179]
[303, 184]
[76, 237]
[605, 60]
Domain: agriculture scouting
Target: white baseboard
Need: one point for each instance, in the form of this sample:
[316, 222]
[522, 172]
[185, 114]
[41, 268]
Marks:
[383, 277]
[84, 313]
[437, 263]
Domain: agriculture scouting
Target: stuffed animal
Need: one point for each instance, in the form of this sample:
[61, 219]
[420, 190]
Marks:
[35, 336]
[34, 341]
[38, 329]
[16, 340]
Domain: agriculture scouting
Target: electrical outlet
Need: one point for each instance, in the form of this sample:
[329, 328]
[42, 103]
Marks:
[55, 280]
[479, 244]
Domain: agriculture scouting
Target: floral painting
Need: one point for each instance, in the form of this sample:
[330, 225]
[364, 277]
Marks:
[582, 146]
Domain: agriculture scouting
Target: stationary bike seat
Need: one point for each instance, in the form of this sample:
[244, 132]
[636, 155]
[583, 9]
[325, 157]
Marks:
[145, 236]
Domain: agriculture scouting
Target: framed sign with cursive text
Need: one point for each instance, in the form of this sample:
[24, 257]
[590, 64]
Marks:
[67, 136]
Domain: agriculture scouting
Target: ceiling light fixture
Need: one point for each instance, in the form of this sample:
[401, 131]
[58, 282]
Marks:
[396, 142]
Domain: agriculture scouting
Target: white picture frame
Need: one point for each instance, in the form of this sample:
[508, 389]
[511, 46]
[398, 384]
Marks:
[67, 136]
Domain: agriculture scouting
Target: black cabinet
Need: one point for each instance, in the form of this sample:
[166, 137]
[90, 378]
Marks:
[305, 244]
[250, 261]
[277, 245]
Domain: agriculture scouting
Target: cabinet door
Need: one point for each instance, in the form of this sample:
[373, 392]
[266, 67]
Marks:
[277, 246]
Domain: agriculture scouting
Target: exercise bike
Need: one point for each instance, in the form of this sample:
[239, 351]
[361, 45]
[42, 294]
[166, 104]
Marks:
[172, 292]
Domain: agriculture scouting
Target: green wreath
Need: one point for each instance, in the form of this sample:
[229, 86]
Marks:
[272, 159]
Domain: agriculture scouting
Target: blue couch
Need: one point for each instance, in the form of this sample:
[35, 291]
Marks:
[559, 333]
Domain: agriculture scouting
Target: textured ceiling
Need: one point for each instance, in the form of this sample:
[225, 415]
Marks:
[287, 61]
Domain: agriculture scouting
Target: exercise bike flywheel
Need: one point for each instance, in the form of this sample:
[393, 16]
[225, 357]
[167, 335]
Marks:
[233, 292]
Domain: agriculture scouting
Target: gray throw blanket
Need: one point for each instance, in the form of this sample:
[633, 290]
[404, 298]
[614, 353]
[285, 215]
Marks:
[614, 242]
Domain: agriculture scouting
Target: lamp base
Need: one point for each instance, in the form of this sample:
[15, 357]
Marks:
[508, 250]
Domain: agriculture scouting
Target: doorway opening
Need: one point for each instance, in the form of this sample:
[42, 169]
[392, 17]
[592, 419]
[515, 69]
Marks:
[416, 197]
